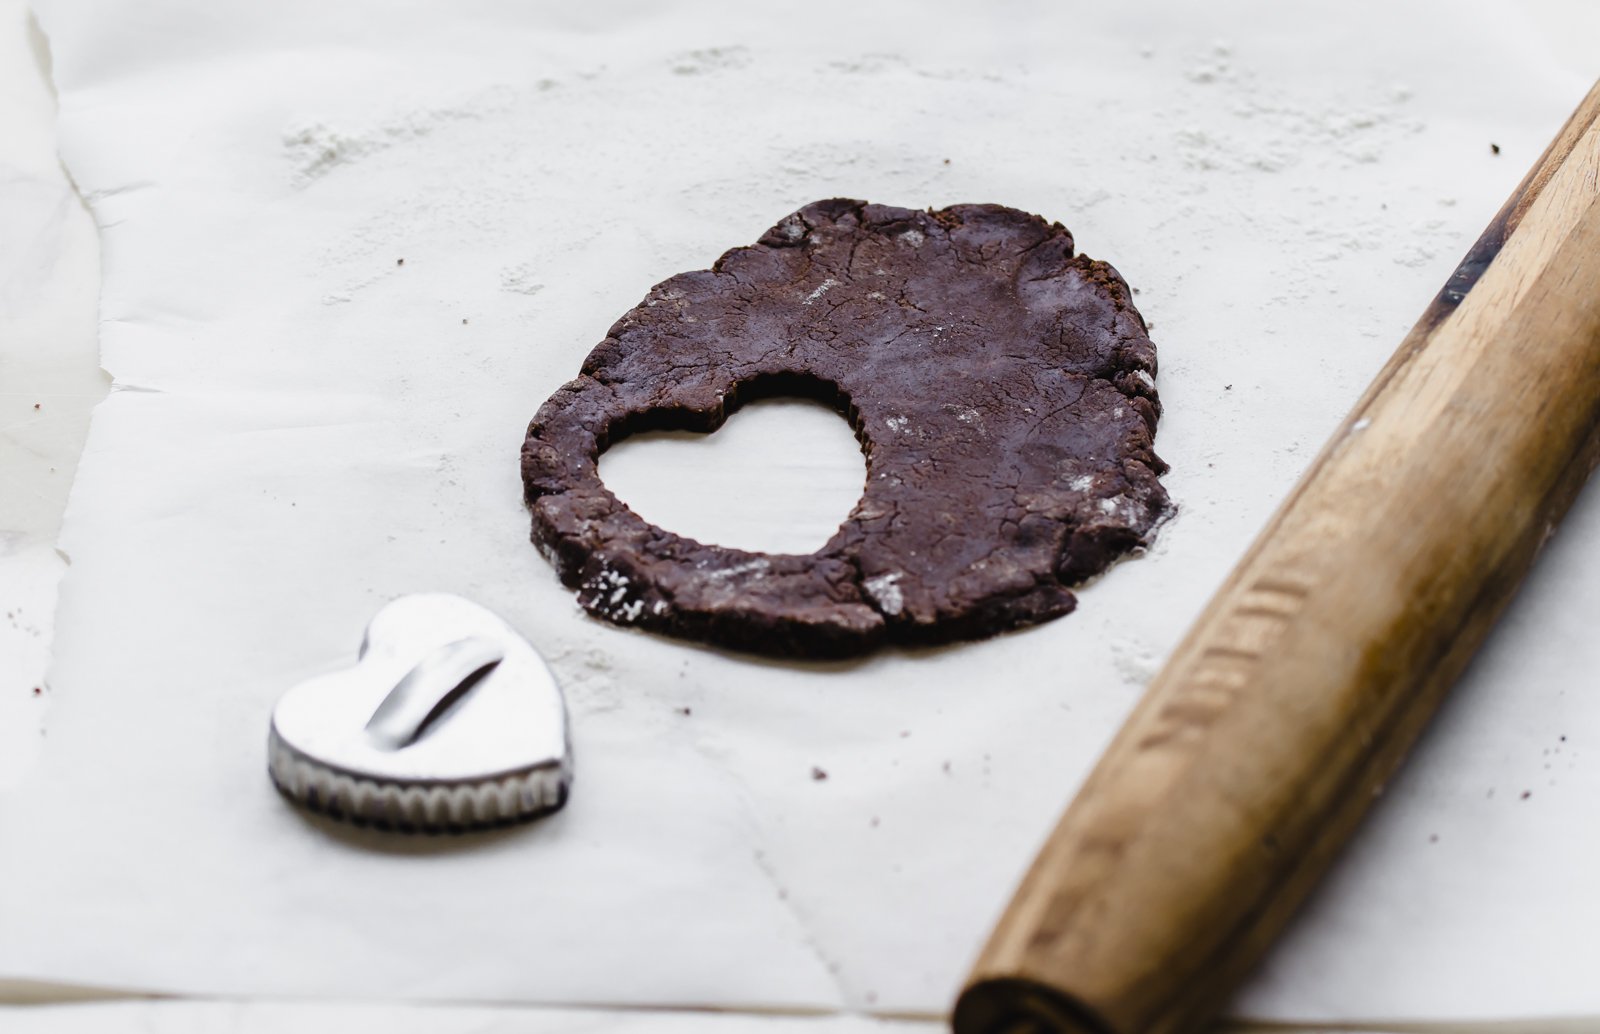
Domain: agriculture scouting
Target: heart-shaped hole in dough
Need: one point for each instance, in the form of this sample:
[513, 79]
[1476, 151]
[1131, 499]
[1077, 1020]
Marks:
[779, 476]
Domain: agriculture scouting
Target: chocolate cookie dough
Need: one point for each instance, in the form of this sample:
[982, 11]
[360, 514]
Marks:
[1000, 385]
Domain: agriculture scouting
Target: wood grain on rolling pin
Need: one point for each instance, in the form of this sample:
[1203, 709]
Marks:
[1275, 723]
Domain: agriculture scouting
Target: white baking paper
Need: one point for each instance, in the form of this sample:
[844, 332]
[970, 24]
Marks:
[49, 379]
[188, 1017]
[304, 427]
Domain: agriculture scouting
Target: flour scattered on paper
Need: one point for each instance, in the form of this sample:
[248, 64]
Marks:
[1135, 662]
[711, 59]
[520, 279]
[316, 148]
[1348, 133]
[584, 673]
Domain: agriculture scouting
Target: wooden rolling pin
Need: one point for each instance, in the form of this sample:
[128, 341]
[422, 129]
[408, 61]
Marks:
[1276, 722]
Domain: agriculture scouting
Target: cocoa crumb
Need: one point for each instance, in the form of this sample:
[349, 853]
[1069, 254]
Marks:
[36, 405]
[818, 774]
[1526, 794]
[399, 262]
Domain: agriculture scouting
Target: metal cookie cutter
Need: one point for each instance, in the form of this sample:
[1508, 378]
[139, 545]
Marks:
[449, 721]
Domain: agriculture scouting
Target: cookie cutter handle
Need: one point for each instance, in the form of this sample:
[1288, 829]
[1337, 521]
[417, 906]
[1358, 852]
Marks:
[431, 690]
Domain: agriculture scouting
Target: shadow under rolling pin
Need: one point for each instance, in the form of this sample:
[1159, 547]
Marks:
[1259, 746]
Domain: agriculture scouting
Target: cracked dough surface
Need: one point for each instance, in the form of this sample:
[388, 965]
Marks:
[1001, 387]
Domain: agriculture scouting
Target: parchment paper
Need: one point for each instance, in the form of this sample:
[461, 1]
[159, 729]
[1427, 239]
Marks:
[303, 427]
[188, 1017]
[49, 379]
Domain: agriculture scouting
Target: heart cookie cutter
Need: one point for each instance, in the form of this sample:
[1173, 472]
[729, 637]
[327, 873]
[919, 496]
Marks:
[449, 721]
